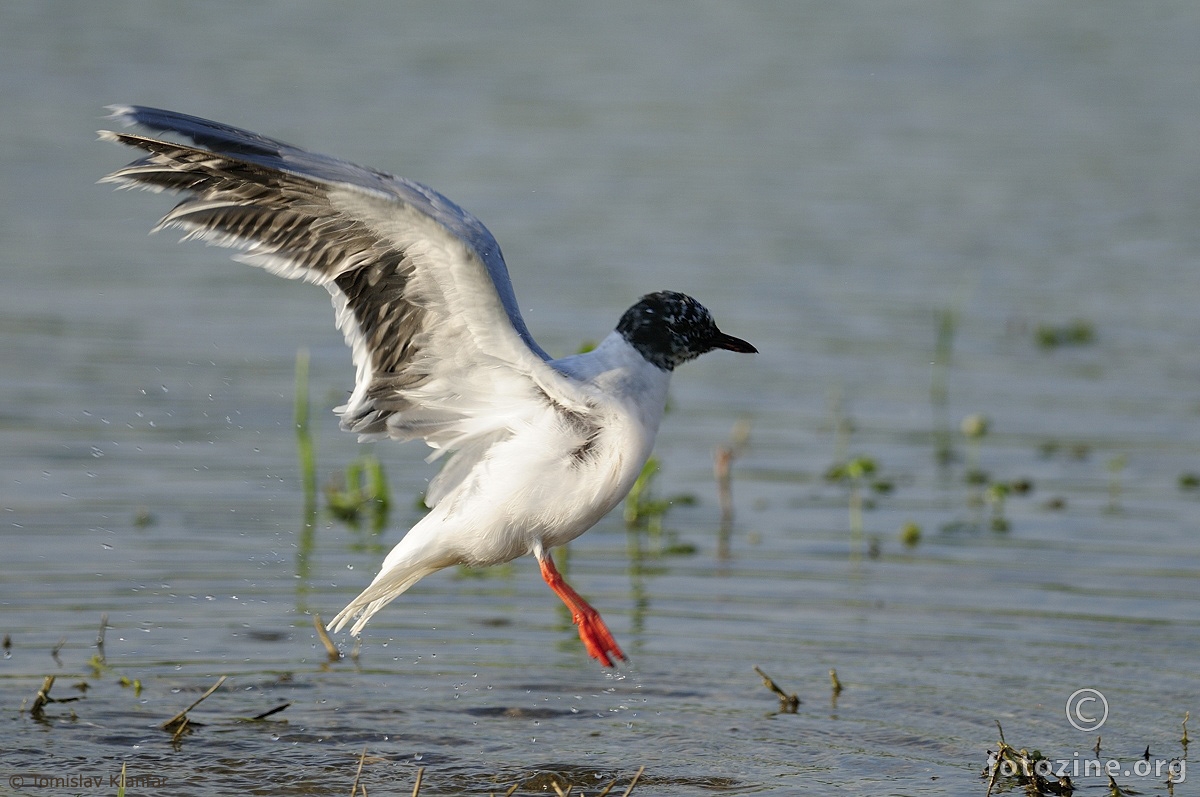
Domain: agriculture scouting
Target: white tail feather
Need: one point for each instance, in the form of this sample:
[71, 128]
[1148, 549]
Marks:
[387, 586]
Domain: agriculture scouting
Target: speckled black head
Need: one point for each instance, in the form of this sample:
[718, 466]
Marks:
[669, 328]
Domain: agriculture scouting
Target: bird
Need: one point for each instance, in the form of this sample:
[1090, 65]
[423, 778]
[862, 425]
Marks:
[537, 450]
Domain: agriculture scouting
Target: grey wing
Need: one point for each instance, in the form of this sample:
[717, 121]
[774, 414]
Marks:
[419, 286]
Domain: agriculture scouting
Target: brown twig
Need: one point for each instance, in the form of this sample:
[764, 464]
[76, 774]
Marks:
[417, 785]
[787, 702]
[723, 459]
[1025, 768]
[362, 758]
[180, 729]
[330, 649]
[633, 782]
[271, 711]
[180, 720]
[54, 651]
[42, 698]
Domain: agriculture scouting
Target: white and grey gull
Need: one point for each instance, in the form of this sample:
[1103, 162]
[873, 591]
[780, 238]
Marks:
[537, 449]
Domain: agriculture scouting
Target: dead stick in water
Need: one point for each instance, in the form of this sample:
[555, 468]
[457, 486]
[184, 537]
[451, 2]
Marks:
[54, 652]
[181, 717]
[362, 758]
[632, 783]
[723, 459]
[100, 636]
[271, 711]
[786, 701]
[42, 697]
[323, 635]
[417, 785]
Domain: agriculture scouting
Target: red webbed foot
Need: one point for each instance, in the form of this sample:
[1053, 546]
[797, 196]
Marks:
[592, 631]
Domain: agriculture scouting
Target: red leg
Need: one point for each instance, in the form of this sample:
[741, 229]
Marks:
[592, 630]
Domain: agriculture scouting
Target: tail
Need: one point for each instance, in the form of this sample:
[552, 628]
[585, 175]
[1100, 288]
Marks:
[413, 558]
[387, 586]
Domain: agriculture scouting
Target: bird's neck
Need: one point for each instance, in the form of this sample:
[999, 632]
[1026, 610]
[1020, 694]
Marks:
[619, 370]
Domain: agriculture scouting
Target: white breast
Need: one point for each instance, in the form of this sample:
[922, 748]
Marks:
[551, 481]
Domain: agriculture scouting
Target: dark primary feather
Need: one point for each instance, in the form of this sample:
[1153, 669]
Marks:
[236, 157]
[419, 287]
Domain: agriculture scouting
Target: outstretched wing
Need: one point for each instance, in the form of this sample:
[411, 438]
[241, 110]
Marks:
[419, 286]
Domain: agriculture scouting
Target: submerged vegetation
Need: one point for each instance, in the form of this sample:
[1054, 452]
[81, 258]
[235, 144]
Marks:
[1009, 768]
[1076, 332]
[363, 488]
[645, 512]
[220, 722]
[359, 497]
[363, 491]
[856, 473]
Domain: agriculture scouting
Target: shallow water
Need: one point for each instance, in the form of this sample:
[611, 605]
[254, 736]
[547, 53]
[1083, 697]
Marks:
[830, 182]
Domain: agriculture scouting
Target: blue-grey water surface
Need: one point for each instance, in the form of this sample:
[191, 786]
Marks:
[832, 180]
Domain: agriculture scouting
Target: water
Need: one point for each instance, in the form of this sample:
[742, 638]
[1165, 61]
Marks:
[830, 181]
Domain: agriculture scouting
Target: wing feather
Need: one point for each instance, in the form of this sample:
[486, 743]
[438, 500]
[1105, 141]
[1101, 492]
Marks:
[419, 287]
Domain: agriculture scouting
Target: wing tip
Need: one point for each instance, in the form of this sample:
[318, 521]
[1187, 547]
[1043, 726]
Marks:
[126, 114]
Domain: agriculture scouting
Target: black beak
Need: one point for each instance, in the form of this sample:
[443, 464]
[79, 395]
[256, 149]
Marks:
[730, 343]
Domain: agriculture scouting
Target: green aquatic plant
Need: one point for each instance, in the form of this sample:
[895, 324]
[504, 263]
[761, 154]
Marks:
[640, 504]
[1116, 467]
[307, 458]
[939, 386]
[995, 495]
[305, 448]
[363, 491]
[645, 511]
[1076, 332]
[842, 424]
[910, 535]
[855, 473]
[974, 428]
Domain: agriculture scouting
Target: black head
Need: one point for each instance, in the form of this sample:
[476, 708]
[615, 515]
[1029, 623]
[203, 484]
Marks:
[669, 328]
